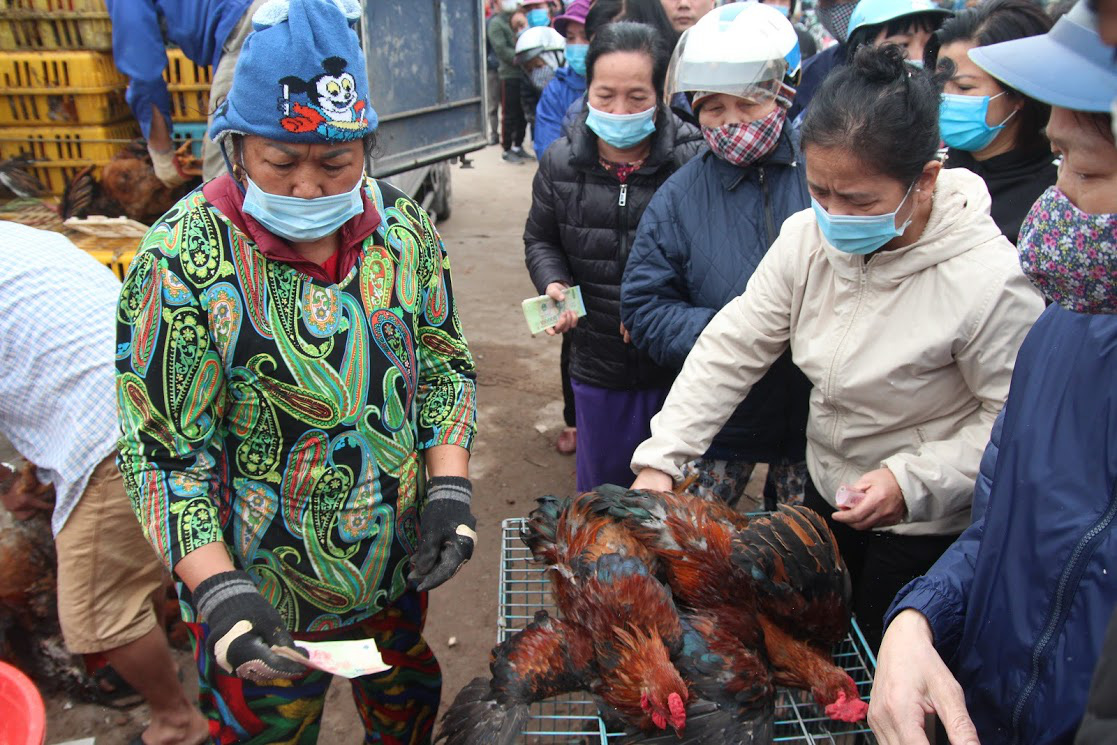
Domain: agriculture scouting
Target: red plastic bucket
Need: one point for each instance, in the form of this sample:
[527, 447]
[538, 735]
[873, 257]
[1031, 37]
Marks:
[23, 718]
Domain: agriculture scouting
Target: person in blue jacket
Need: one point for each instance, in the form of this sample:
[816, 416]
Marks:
[1000, 637]
[209, 32]
[709, 226]
[569, 83]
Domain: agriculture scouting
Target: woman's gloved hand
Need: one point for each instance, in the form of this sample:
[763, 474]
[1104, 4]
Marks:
[446, 533]
[243, 628]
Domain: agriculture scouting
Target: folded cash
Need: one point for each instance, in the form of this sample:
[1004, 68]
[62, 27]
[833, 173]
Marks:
[349, 659]
[542, 312]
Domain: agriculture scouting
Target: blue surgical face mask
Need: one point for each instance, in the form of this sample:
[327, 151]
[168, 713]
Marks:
[538, 17]
[915, 63]
[299, 219]
[622, 131]
[860, 234]
[962, 121]
[785, 9]
[576, 57]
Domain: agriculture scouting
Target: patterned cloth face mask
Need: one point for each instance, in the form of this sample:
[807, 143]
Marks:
[1069, 255]
[835, 19]
[541, 76]
[744, 143]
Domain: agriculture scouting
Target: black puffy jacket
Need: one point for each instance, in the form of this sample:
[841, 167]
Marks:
[580, 229]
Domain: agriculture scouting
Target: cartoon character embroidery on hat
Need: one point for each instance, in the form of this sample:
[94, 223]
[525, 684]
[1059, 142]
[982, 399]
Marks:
[332, 109]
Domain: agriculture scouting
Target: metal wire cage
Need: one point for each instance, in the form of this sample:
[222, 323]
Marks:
[573, 719]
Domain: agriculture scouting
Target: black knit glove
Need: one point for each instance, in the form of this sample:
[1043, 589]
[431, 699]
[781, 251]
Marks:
[446, 533]
[243, 628]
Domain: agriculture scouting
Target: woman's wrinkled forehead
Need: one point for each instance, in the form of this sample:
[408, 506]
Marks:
[623, 70]
[258, 146]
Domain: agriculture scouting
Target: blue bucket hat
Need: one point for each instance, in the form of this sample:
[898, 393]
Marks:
[1069, 66]
[300, 77]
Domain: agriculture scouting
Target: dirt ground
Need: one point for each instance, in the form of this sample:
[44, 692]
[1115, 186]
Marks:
[514, 461]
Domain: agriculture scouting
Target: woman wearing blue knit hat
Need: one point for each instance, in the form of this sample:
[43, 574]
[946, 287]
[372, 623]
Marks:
[297, 399]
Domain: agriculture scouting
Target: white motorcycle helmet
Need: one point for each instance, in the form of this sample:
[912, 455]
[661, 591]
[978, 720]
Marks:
[748, 50]
[510, 6]
[541, 41]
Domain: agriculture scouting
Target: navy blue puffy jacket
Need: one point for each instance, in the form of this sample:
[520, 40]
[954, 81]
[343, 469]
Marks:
[1019, 604]
[701, 238]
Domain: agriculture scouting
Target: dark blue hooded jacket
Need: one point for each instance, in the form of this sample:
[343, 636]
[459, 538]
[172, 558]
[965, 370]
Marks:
[701, 238]
[1019, 604]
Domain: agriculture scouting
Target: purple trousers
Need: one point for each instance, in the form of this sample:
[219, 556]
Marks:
[611, 424]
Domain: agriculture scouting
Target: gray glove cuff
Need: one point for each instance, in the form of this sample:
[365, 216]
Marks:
[220, 588]
[450, 487]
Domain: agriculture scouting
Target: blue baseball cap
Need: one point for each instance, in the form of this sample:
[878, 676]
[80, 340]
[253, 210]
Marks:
[873, 12]
[1069, 66]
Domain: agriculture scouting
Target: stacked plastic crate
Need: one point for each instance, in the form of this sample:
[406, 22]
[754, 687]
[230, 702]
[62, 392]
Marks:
[61, 97]
[62, 100]
[188, 85]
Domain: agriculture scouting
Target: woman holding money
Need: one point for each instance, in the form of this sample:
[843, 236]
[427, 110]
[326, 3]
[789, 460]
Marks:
[589, 195]
[297, 399]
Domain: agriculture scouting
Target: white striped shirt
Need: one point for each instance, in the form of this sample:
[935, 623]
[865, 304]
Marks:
[57, 353]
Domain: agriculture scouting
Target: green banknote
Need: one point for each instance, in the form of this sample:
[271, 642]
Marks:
[542, 312]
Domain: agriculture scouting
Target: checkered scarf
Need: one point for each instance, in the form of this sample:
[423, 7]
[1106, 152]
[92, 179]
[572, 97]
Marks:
[744, 143]
[835, 19]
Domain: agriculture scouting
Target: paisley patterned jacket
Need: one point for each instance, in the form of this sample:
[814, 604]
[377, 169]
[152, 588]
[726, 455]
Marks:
[284, 415]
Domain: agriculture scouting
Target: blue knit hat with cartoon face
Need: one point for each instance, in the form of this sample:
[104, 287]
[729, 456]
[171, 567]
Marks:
[301, 76]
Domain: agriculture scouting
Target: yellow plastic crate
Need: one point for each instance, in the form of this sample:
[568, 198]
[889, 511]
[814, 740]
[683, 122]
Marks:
[116, 259]
[89, 144]
[190, 105]
[103, 105]
[188, 85]
[24, 30]
[46, 72]
[181, 71]
[54, 6]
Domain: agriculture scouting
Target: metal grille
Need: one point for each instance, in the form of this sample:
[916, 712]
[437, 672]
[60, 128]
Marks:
[573, 719]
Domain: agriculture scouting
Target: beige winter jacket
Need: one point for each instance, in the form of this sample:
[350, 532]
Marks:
[910, 354]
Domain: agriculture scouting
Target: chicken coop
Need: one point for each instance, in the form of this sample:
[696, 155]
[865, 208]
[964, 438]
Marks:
[573, 719]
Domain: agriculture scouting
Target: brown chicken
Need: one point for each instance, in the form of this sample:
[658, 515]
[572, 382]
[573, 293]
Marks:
[129, 180]
[776, 582]
[803, 594]
[30, 636]
[617, 641]
[731, 692]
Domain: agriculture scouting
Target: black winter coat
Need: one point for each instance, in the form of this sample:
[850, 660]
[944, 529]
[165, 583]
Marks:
[1015, 180]
[580, 229]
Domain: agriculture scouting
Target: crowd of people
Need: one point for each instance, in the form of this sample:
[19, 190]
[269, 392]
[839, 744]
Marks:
[872, 247]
